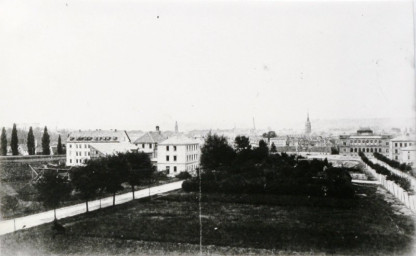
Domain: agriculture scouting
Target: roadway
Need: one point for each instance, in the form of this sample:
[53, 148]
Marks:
[9, 226]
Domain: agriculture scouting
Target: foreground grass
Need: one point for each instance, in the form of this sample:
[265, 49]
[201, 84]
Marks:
[236, 224]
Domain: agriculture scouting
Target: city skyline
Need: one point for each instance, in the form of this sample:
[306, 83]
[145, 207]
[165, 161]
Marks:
[77, 65]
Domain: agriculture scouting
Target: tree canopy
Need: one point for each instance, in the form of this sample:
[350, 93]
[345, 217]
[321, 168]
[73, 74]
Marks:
[242, 143]
[14, 141]
[30, 142]
[52, 189]
[46, 150]
[3, 148]
[60, 149]
[216, 153]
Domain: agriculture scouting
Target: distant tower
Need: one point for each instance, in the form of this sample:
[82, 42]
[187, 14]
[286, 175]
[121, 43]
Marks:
[308, 128]
[176, 127]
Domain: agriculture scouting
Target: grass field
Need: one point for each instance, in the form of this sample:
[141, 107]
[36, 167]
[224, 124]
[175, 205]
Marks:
[15, 181]
[235, 224]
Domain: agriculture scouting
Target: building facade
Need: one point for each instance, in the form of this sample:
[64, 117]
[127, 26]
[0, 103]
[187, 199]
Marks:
[399, 143]
[364, 141]
[178, 154]
[408, 155]
[148, 143]
[78, 144]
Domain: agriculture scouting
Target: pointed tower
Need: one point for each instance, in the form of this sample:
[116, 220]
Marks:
[176, 127]
[308, 127]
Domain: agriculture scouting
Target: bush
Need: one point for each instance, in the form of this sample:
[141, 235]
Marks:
[395, 164]
[184, 175]
[404, 183]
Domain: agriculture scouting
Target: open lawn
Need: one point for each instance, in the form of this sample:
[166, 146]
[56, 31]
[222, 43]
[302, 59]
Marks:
[237, 224]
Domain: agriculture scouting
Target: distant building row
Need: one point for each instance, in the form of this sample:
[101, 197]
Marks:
[175, 154]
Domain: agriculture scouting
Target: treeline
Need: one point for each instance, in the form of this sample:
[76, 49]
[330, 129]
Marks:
[243, 169]
[98, 176]
[30, 142]
[399, 180]
[395, 164]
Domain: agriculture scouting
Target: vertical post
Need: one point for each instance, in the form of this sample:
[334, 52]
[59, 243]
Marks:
[14, 224]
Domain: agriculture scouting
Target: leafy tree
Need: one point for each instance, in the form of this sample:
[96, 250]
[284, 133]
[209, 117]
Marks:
[52, 189]
[273, 148]
[86, 179]
[115, 174]
[242, 143]
[31, 142]
[46, 150]
[216, 153]
[261, 152]
[9, 203]
[268, 135]
[14, 141]
[140, 169]
[60, 148]
[3, 142]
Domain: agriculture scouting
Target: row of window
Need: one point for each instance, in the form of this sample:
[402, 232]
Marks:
[191, 157]
[79, 153]
[150, 145]
[167, 148]
[78, 161]
[396, 144]
[368, 150]
[191, 147]
[80, 146]
[168, 157]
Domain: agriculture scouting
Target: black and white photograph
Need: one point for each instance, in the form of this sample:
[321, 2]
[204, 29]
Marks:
[207, 127]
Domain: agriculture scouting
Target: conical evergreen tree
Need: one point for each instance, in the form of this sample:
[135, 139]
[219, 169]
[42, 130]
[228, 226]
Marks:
[14, 141]
[31, 142]
[45, 142]
[60, 149]
[3, 149]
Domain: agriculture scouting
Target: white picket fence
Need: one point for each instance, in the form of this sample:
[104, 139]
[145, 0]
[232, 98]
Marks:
[407, 199]
[397, 172]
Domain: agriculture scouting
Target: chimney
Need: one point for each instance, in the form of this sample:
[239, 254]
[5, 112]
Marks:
[157, 129]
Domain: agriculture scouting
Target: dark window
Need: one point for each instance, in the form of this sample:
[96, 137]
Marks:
[174, 148]
[150, 145]
[168, 169]
[174, 158]
[167, 158]
[167, 148]
[142, 145]
[174, 168]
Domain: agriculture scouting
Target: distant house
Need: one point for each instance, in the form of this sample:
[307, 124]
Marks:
[178, 154]
[398, 143]
[102, 150]
[148, 143]
[79, 144]
[408, 155]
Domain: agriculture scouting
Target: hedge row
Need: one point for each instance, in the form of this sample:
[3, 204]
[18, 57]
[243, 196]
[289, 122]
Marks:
[401, 181]
[395, 164]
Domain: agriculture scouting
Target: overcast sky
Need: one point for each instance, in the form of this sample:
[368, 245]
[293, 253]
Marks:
[136, 64]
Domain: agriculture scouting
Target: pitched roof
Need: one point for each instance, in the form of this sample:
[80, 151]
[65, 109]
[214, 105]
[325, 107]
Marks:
[101, 136]
[150, 137]
[179, 140]
[405, 138]
[113, 148]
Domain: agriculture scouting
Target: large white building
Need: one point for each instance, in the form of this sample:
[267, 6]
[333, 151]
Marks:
[178, 154]
[364, 141]
[399, 143]
[78, 144]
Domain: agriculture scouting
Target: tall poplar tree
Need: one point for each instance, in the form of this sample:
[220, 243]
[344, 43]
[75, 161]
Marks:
[3, 149]
[46, 150]
[31, 142]
[14, 141]
[60, 149]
